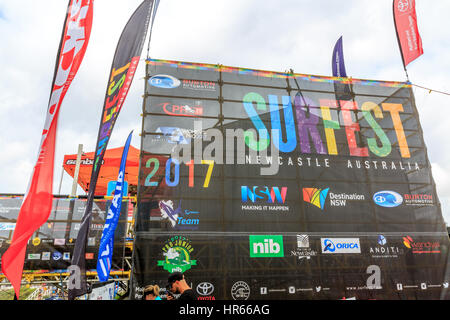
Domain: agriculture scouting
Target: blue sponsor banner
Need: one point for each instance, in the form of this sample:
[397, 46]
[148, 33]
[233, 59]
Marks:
[112, 188]
[107, 239]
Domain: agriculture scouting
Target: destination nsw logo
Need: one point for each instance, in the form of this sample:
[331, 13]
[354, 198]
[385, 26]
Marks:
[264, 198]
[318, 197]
[266, 246]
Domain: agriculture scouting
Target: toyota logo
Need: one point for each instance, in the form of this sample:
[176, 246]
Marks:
[205, 289]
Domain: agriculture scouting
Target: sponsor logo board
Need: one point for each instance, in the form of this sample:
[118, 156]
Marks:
[340, 245]
[240, 291]
[266, 246]
[318, 197]
[177, 255]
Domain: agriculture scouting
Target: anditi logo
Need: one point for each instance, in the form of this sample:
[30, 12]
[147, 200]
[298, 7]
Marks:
[179, 110]
[264, 193]
[315, 196]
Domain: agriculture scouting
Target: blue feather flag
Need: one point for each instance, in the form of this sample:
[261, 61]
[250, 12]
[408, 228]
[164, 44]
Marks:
[107, 240]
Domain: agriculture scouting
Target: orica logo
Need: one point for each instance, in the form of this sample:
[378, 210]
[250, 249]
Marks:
[387, 199]
[164, 81]
[340, 245]
[329, 246]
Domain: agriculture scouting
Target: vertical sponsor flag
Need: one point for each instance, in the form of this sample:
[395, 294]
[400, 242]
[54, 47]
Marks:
[337, 63]
[123, 68]
[405, 20]
[37, 203]
[342, 91]
[107, 240]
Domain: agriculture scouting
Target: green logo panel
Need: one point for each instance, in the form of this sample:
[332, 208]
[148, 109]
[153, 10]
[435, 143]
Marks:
[266, 246]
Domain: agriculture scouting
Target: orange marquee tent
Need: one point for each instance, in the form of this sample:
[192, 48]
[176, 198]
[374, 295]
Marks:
[108, 171]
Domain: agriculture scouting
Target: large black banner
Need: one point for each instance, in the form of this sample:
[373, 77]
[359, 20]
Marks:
[260, 185]
[51, 246]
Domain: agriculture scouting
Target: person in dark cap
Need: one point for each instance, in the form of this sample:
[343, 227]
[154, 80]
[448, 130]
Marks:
[178, 285]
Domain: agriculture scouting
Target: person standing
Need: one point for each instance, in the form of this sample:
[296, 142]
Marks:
[177, 284]
[151, 292]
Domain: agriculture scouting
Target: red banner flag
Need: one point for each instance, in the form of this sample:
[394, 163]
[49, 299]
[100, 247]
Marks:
[408, 36]
[37, 203]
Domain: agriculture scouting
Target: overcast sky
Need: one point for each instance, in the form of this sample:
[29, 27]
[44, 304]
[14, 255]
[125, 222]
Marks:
[270, 35]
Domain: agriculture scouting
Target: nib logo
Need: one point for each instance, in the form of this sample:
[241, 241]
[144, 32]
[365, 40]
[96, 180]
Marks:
[407, 241]
[266, 246]
[315, 196]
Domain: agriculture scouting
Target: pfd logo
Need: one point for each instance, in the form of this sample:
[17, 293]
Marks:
[164, 81]
[181, 110]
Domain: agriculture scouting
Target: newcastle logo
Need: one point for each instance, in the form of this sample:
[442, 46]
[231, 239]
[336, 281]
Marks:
[315, 196]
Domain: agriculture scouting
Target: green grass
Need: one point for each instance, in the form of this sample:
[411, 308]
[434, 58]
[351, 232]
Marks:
[9, 294]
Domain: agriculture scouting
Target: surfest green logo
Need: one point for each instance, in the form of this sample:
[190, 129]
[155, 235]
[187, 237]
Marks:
[177, 252]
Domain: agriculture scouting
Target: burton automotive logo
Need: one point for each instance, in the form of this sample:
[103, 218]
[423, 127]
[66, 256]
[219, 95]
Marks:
[266, 246]
[164, 81]
[340, 245]
[387, 199]
[315, 196]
